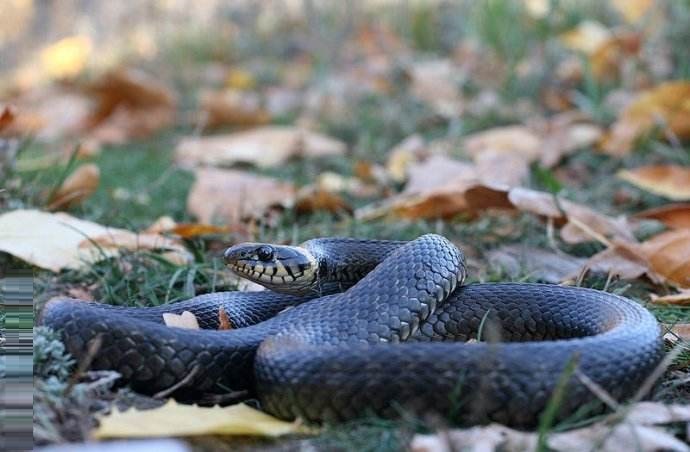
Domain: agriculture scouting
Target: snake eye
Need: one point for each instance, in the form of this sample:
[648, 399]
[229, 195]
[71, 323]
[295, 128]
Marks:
[265, 253]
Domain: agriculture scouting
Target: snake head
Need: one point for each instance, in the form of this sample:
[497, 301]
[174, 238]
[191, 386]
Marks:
[287, 269]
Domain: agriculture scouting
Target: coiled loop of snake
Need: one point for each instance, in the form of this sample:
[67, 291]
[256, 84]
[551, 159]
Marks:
[386, 344]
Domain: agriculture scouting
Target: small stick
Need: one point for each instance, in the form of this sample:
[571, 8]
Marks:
[188, 378]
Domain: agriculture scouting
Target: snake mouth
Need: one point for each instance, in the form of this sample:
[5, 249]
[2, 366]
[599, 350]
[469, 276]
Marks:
[281, 268]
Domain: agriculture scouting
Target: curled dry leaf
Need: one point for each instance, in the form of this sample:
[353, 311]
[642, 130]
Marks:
[680, 298]
[312, 198]
[224, 322]
[76, 188]
[129, 104]
[173, 419]
[23, 234]
[670, 181]
[404, 154]
[229, 196]
[667, 254]
[232, 107]
[583, 223]
[263, 147]
[8, 114]
[186, 320]
[666, 106]
[640, 429]
[663, 258]
[675, 216]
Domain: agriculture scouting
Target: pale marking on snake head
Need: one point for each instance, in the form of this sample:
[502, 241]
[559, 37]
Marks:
[288, 269]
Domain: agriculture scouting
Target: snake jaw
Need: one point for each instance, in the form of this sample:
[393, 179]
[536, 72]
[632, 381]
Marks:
[287, 269]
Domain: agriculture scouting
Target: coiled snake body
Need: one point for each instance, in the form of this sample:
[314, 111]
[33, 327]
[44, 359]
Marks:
[386, 345]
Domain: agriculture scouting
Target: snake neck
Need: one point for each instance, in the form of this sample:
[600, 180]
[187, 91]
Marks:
[344, 261]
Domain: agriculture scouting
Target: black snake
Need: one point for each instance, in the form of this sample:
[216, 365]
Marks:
[386, 345]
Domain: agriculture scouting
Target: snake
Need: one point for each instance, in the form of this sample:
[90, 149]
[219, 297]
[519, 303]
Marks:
[350, 328]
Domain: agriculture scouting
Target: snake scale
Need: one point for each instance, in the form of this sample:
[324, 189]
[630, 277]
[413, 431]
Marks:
[369, 327]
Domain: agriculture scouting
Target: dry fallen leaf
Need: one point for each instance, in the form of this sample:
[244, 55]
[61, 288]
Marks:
[503, 154]
[663, 258]
[231, 195]
[263, 147]
[632, 10]
[8, 114]
[130, 104]
[517, 261]
[232, 107]
[312, 199]
[667, 254]
[173, 419]
[674, 216]
[670, 181]
[24, 233]
[666, 106]
[583, 223]
[224, 322]
[186, 320]
[76, 188]
[564, 134]
[640, 430]
[113, 241]
[680, 298]
[404, 154]
[679, 332]
[436, 83]
[587, 37]
[67, 57]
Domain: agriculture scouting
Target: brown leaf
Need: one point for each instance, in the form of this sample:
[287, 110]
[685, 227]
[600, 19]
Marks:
[503, 154]
[130, 104]
[621, 259]
[8, 114]
[681, 298]
[670, 181]
[312, 199]
[584, 224]
[403, 155]
[186, 320]
[231, 195]
[232, 107]
[565, 133]
[679, 331]
[76, 188]
[224, 322]
[675, 216]
[667, 254]
[516, 261]
[263, 147]
[667, 105]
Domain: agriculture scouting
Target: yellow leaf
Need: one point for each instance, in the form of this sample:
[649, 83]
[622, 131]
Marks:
[670, 181]
[67, 57]
[632, 10]
[186, 320]
[57, 241]
[240, 79]
[667, 105]
[173, 419]
[586, 37]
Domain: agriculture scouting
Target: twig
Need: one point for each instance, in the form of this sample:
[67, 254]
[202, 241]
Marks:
[188, 378]
[93, 347]
[597, 390]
